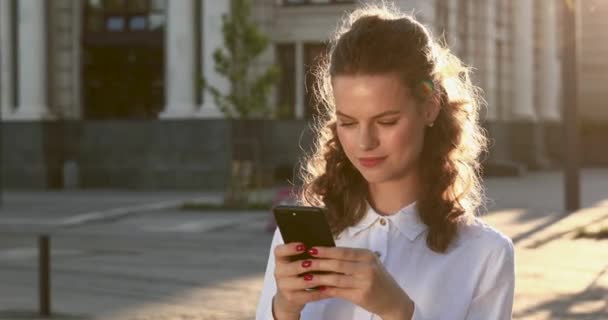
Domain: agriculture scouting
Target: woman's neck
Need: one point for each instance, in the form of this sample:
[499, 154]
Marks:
[387, 198]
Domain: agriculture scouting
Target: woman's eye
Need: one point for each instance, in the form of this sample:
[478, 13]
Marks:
[346, 124]
[387, 123]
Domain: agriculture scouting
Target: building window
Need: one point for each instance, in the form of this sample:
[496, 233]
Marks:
[286, 92]
[314, 2]
[115, 24]
[122, 15]
[313, 55]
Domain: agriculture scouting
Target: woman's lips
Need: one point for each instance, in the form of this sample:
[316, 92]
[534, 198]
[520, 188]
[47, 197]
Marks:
[371, 162]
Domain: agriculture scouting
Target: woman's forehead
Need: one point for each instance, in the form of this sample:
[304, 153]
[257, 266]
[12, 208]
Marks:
[365, 85]
[369, 94]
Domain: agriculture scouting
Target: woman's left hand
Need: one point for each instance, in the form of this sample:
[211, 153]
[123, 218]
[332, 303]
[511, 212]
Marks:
[361, 279]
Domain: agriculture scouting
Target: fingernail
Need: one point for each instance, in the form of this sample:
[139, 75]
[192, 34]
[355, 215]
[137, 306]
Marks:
[300, 248]
[306, 263]
[322, 288]
[313, 251]
[308, 277]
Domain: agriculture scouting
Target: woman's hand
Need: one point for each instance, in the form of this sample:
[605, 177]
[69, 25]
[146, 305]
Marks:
[291, 295]
[362, 279]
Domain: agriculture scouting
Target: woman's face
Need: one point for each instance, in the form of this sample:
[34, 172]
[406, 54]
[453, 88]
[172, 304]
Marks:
[380, 125]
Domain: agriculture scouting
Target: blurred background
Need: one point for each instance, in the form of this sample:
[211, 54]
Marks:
[149, 139]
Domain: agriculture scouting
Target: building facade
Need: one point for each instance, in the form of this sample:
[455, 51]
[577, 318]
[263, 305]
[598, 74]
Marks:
[109, 90]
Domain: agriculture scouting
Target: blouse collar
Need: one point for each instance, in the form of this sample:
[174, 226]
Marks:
[406, 220]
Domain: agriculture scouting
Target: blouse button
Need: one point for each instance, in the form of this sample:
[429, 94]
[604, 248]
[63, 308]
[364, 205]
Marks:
[383, 222]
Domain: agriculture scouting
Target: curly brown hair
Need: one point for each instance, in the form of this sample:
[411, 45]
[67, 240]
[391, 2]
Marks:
[380, 39]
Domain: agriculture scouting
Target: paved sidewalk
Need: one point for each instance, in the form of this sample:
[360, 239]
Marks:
[49, 209]
[564, 279]
[559, 276]
[162, 263]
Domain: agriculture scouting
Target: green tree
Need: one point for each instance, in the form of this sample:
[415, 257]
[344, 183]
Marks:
[243, 43]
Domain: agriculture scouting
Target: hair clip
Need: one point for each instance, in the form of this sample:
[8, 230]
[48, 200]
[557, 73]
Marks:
[427, 86]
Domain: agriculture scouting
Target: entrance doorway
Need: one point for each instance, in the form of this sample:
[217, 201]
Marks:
[123, 59]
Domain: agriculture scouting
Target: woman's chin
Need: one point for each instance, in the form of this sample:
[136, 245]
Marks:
[381, 176]
[375, 177]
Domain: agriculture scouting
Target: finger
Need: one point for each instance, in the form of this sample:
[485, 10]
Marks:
[303, 297]
[334, 265]
[296, 283]
[330, 265]
[283, 252]
[332, 280]
[291, 269]
[342, 253]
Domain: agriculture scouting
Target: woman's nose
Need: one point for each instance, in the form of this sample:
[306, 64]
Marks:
[367, 139]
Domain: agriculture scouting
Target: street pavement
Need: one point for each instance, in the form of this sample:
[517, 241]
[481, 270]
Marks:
[133, 255]
[44, 210]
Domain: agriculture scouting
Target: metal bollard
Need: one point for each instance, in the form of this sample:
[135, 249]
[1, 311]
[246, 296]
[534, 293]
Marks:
[44, 275]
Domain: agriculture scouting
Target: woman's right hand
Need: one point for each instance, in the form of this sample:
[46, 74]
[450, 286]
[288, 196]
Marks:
[291, 296]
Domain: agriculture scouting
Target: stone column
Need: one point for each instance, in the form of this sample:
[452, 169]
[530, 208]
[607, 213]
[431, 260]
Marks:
[527, 136]
[6, 62]
[300, 81]
[549, 74]
[212, 38]
[484, 54]
[486, 75]
[548, 82]
[32, 66]
[77, 21]
[469, 42]
[523, 60]
[179, 70]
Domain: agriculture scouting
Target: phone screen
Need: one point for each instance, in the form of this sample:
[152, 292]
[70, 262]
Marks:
[304, 224]
[307, 225]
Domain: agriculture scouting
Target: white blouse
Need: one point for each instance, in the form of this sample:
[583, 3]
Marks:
[473, 280]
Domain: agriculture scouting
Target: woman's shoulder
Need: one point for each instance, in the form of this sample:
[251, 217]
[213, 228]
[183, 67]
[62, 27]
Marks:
[477, 233]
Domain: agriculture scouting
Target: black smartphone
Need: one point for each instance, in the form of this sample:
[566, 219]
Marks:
[303, 224]
[307, 225]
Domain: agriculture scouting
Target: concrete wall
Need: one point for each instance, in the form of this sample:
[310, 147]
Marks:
[24, 155]
[197, 154]
[153, 154]
[169, 154]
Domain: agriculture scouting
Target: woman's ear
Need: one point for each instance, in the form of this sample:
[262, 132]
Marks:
[431, 110]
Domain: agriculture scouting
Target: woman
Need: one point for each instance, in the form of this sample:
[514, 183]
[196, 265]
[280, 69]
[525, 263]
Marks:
[396, 166]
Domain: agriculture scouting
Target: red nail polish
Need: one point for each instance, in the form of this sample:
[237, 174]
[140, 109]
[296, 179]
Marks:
[313, 251]
[306, 263]
[308, 277]
[300, 248]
